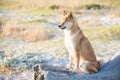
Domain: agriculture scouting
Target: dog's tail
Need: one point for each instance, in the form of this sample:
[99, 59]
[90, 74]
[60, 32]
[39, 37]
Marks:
[101, 62]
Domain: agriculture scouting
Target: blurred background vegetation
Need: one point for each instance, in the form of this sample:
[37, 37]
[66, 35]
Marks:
[36, 21]
[28, 29]
[58, 4]
[48, 6]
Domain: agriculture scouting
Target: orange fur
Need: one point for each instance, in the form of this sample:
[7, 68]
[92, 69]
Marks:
[79, 47]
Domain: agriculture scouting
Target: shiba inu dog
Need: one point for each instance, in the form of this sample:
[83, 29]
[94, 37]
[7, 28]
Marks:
[79, 47]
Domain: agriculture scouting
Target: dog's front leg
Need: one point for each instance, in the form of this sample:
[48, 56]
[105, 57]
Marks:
[76, 62]
[69, 66]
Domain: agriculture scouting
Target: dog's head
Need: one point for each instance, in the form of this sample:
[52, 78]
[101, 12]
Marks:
[66, 21]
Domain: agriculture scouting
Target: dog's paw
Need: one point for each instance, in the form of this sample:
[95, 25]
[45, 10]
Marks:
[68, 67]
[78, 71]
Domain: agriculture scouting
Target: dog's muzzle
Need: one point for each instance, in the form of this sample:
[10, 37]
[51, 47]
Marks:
[61, 27]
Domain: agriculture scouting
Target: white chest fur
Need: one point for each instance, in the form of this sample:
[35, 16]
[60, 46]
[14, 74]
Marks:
[69, 40]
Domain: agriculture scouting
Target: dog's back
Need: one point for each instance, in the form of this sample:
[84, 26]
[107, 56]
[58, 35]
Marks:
[78, 45]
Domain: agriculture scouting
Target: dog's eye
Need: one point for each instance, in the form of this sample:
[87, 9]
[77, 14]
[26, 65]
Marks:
[67, 19]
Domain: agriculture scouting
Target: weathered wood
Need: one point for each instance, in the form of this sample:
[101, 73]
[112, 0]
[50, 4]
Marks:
[38, 75]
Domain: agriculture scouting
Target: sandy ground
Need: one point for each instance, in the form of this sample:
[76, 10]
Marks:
[85, 18]
[24, 55]
[109, 71]
[22, 60]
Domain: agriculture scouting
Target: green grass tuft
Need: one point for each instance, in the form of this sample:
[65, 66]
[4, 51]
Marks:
[45, 12]
[34, 20]
[53, 7]
[93, 6]
[102, 33]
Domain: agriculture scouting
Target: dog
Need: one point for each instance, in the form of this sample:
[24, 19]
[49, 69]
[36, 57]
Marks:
[79, 47]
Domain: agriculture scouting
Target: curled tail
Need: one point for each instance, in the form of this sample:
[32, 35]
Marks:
[101, 62]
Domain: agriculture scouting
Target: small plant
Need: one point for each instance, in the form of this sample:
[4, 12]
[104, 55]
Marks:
[53, 7]
[93, 6]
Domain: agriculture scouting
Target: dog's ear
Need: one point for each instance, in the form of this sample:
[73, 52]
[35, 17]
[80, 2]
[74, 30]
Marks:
[64, 12]
[70, 14]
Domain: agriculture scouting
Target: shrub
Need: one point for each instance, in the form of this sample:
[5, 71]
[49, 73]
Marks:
[93, 6]
[53, 7]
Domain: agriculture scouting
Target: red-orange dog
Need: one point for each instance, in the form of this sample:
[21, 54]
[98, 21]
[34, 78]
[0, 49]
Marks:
[79, 47]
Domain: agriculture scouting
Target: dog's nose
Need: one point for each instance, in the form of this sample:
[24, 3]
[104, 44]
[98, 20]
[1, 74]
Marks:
[59, 26]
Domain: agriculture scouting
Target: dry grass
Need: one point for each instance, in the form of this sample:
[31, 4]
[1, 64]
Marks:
[30, 4]
[25, 32]
[3, 70]
[103, 33]
[7, 70]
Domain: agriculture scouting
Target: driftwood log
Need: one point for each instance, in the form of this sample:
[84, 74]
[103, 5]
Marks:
[109, 71]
